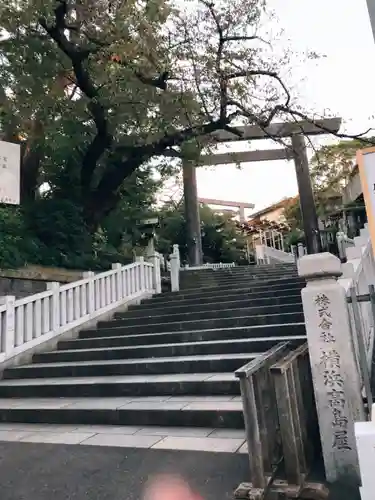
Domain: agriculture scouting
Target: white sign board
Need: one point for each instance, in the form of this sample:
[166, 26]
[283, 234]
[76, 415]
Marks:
[10, 163]
[366, 164]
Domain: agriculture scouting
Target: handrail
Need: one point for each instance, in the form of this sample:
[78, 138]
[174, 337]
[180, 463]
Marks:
[29, 321]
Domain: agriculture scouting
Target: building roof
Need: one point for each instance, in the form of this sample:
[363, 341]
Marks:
[279, 204]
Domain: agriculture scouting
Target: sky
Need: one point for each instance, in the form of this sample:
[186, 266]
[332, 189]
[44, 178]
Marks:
[342, 82]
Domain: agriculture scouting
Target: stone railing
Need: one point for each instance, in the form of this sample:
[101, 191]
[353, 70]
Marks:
[175, 268]
[343, 243]
[358, 276]
[269, 255]
[210, 265]
[365, 439]
[28, 322]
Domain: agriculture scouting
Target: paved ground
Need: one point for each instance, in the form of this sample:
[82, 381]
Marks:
[60, 472]
[162, 438]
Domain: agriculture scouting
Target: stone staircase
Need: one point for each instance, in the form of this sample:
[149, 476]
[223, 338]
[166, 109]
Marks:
[167, 362]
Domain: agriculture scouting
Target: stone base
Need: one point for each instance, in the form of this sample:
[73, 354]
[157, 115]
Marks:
[281, 490]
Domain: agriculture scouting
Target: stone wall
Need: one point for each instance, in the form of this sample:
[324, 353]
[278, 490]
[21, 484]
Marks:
[33, 279]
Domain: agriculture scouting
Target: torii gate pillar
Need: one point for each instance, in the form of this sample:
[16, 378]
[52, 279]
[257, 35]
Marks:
[193, 223]
[306, 195]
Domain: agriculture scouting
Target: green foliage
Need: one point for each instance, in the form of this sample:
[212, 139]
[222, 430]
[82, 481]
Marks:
[221, 240]
[332, 165]
[330, 168]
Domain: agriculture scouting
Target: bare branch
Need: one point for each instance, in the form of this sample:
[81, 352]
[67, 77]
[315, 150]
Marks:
[360, 136]
[223, 83]
[260, 72]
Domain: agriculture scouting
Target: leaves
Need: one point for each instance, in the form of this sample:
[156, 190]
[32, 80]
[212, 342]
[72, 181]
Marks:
[221, 239]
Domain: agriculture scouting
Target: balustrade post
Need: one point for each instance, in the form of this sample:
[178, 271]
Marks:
[175, 272]
[142, 268]
[9, 324]
[118, 280]
[336, 379]
[156, 274]
[54, 286]
[90, 291]
[300, 250]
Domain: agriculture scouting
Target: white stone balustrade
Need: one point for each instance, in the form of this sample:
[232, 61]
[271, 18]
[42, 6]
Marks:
[30, 321]
[269, 255]
[365, 438]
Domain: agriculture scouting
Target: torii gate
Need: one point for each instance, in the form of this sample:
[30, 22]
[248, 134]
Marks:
[296, 131]
[241, 205]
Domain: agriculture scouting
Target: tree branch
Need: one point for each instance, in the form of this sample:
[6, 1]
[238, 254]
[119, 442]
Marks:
[260, 72]
[103, 138]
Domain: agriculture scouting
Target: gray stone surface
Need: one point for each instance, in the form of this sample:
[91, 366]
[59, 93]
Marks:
[228, 433]
[45, 471]
[10, 435]
[199, 444]
[176, 431]
[58, 437]
[127, 441]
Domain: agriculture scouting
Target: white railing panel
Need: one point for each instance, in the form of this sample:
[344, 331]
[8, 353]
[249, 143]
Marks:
[269, 255]
[213, 265]
[2, 329]
[29, 321]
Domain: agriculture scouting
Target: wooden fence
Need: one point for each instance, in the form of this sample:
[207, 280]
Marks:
[281, 425]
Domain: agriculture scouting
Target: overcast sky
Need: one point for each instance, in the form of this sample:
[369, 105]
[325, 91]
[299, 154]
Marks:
[343, 82]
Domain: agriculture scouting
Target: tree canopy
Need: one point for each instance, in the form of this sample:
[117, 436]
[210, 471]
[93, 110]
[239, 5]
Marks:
[222, 240]
[332, 165]
[95, 89]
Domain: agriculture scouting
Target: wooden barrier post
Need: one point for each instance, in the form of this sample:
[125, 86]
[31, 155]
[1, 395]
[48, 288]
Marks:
[260, 415]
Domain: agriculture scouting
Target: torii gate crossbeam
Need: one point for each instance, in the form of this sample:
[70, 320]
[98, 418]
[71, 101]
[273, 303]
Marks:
[296, 131]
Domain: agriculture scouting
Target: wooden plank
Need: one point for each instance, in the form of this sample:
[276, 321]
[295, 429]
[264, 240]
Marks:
[266, 359]
[259, 425]
[291, 418]
[252, 427]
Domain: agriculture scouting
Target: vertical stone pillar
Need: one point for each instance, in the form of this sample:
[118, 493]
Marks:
[306, 195]
[175, 270]
[9, 324]
[156, 274]
[193, 224]
[336, 380]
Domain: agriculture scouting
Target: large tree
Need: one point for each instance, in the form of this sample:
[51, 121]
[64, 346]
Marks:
[94, 89]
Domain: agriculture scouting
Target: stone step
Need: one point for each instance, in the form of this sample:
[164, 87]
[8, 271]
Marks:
[236, 284]
[197, 384]
[116, 327]
[95, 341]
[206, 347]
[228, 441]
[265, 291]
[231, 283]
[232, 274]
[149, 309]
[241, 270]
[210, 411]
[202, 281]
[140, 366]
[122, 319]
